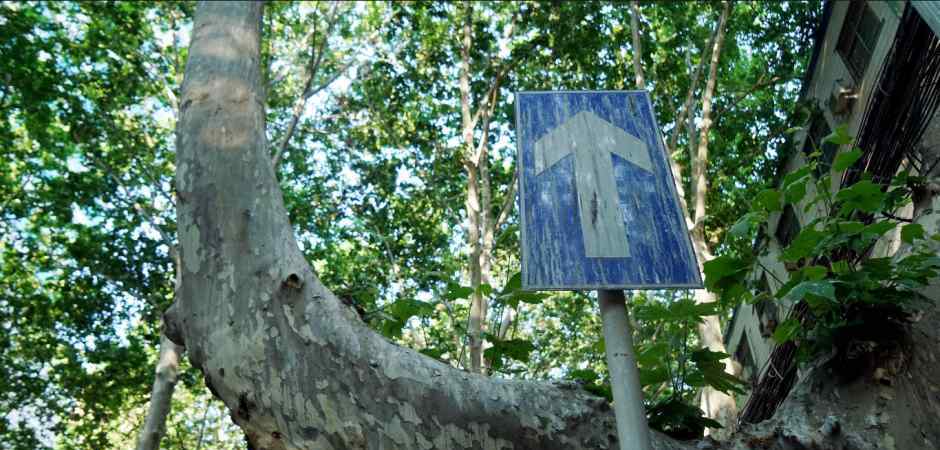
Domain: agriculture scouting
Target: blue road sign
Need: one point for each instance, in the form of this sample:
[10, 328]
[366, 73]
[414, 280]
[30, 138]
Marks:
[599, 207]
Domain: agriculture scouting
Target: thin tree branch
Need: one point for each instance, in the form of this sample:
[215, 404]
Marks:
[310, 89]
[898, 218]
[761, 83]
[330, 23]
[505, 64]
[313, 65]
[508, 202]
[689, 98]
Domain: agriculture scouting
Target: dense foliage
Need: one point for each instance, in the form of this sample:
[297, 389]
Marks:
[371, 175]
[853, 291]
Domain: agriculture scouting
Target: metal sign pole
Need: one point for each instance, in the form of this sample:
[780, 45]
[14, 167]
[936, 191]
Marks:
[632, 430]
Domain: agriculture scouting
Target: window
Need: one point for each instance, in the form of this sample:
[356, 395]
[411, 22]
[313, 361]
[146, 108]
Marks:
[766, 309]
[787, 227]
[818, 130]
[744, 357]
[858, 37]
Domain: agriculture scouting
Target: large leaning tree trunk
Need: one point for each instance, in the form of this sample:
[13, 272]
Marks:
[295, 366]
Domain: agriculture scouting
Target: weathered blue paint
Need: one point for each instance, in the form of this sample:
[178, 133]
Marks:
[553, 249]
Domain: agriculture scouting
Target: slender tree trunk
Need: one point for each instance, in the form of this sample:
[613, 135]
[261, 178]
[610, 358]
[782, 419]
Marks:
[716, 405]
[701, 157]
[477, 301]
[472, 204]
[294, 365]
[164, 382]
[166, 372]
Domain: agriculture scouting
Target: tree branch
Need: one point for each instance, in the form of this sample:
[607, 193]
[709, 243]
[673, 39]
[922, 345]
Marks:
[505, 65]
[761, 83]
[686, 109]
[310, 90]
[164, 382]
[508, 202]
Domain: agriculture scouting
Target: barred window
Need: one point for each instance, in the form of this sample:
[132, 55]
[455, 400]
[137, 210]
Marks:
[788, 227]
[818, 130]
[858, 37]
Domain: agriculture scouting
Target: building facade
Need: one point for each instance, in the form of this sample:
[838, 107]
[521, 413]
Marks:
[875, 70]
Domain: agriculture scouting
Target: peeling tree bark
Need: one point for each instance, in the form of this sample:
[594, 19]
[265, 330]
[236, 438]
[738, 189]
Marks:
[295, 366]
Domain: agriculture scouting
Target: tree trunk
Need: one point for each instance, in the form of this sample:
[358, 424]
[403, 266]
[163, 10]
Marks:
[717, 405]
[295, 366]
[164, 382]
[701, 157]
[472, 203]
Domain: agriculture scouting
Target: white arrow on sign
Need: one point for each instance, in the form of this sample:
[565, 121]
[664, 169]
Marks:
[592, 140]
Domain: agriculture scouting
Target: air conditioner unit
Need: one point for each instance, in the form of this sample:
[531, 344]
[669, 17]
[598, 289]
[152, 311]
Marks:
[842, 98]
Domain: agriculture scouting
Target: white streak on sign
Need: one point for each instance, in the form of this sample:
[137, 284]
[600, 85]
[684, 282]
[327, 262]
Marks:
[592, 141]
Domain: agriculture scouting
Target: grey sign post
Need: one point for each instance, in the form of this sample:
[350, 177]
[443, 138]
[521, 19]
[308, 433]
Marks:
[599, 210]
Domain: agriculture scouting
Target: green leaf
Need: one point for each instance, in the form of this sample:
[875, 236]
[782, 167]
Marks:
[786, 331]
[878, 268]
[795, 192]
[863, 196]
[840, 267]
[585, 375]
[849, 227]
[404, 309]
[840, 136]
[433, 352]
[877, 229]
[517, 349]
[820, 288]
[845, 160]
[742, 226]
[651, 312]
[912, 231]
[653, 376]
[455, 291]
[814, 272]
[652, 355]
[713, 371]
[768, 200]
[513, 284]
[803, 245]
[797, 176]
[748, 222]
[675, 417]
[722, 269]
[485, 289]
[703, 355]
